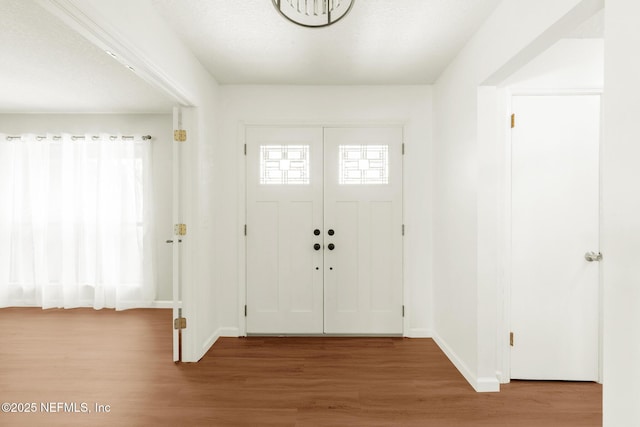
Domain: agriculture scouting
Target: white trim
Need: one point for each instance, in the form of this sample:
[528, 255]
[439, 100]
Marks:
[418, 332]
[504, 322]
[213, 338]
[511, 92]
[207, 345]
[128, 54]
[479, 384]
[130, 305]
[242, 207]
[600, 234]
[162, 304]
[504, 326]
[228, 332]
[487, 385]
[322, 123]
[242, 213]
[406, 306]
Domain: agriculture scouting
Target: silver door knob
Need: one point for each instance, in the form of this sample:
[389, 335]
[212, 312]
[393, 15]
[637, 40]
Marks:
[593, 256]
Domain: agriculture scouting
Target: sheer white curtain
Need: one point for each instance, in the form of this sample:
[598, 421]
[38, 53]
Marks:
[76, 222]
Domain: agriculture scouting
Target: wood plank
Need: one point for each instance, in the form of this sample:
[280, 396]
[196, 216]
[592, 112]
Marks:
[123, 359]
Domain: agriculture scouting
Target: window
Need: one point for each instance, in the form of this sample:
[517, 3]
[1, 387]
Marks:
[363, 164]
[284, 164]
[78, 221]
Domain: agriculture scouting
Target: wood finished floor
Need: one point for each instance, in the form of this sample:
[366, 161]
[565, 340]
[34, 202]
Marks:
[123, 359]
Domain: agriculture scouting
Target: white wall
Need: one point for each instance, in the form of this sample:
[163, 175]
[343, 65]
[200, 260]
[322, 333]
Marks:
[621, 232]
[410, 105]
[466, 260]
[156, 125]
[568, 64]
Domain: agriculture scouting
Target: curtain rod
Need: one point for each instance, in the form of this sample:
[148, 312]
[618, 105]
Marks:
[76, 137]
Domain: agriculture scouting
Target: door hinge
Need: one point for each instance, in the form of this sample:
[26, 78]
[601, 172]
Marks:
[245, 149]
[180, 229]
[180, 135]
[403, 311]
[403, 148]
[513, 121]
[403, 229]
[245, 229]
[180, 323]
[511, 339]
[245, 310]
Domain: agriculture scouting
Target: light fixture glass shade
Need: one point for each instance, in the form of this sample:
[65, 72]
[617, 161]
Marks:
[313, 13]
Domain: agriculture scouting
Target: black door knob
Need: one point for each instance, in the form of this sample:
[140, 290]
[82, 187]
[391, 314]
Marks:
[331, 246]
[317, 246]
[316, 232]
[331, 232]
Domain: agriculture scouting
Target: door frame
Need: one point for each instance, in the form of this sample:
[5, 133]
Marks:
[504, 326]
[242, 204]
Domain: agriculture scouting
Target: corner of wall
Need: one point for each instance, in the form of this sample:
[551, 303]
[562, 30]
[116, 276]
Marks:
[479, 384]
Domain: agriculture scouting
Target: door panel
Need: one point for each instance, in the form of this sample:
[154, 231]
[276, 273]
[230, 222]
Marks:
[555, 220]
[363, 205]
[284, 206]
[351, 283]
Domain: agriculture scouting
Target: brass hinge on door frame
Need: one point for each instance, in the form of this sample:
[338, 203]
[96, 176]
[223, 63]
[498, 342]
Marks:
[245, 310]
[511, 339]
[403, 148]
[245, 149]
[180, 323]
[403, 229]
[403, 311]
[179, 135]
[180, 229]
[513, 120]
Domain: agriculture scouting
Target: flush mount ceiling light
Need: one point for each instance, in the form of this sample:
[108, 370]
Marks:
[313, 13]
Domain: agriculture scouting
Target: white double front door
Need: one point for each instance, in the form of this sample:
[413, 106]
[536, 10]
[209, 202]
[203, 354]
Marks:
[324, 230]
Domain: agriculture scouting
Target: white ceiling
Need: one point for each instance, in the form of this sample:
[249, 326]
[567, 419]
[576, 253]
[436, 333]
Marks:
[379, 42]
[47, 67]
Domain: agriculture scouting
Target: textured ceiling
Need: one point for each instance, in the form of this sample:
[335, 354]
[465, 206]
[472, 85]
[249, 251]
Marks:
[47, 67]
[379, 42]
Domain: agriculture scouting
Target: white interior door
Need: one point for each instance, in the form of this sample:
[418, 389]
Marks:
[284, 208]
[555, 221]
[324, 237]
[363, 220]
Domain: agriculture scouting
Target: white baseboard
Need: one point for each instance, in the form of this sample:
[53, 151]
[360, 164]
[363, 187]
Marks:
[479, 384]
[209, 343]
[504, 379]
[229, 332]
[89, 304]
[418, 333]
[220, 332]
[161, 304]
[487, 385]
